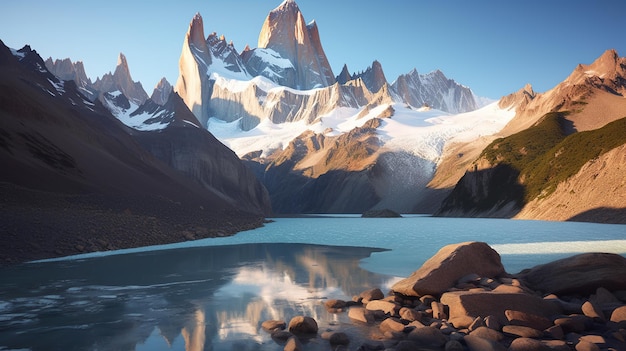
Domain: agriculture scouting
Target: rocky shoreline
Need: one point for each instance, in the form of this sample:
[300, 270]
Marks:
[462, 299]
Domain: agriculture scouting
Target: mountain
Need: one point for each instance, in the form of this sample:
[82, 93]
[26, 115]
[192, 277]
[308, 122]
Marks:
[161, 92]
[121, 80]
[67, 70]
[267, 103]
[75, 179]
[286, 32]
[434, 90]
[545, 164]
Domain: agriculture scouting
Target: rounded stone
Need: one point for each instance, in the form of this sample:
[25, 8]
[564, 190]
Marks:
[303, 325]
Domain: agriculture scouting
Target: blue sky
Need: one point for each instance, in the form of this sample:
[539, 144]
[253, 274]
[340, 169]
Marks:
[494, 47]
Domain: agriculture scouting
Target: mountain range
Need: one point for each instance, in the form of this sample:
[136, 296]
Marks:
[273, 130]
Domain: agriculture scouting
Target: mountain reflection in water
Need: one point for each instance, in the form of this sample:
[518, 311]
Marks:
[203, 298]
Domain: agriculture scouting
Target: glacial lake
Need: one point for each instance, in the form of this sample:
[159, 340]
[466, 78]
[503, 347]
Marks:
[213, 294]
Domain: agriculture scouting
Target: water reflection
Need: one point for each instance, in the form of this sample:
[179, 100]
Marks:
[209, 298]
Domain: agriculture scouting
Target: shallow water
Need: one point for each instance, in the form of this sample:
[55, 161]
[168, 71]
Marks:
[213, 294]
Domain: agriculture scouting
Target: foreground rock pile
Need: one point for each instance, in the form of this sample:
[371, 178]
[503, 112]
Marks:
[462, 299]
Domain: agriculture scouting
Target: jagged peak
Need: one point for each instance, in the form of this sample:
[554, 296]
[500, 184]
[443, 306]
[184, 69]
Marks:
[286, 4]
[121, 61]
[195, 33]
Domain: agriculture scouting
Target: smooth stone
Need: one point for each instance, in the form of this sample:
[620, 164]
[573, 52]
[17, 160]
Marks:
[575, 323]
[528, 344]
[334, 304]
[438, 310]
[618, 316]
[281, 335]
[492, 322]
[578, 274]
[410, 314]
[393, 325]
[557, 345]
[390, 308]
[448, 265]
[486, 333]
[521, 331]
[361, 314]
[293, 344]
[591, 310]
[303, 325]
[555, 332]
[453, 345]
[427, 336]
[586, 346]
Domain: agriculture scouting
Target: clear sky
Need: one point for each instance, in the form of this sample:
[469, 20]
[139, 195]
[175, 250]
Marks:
[494, 47]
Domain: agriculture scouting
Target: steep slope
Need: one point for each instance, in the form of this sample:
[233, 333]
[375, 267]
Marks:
[373, 77]
[519, 175]
[76, 180]
[285, 32]
[67, 70]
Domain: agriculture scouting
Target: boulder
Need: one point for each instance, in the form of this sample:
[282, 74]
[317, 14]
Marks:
[410, 314]
[580, 274]
[303, 325]
[486, 333]
[427, 336]
[334, 305]
[592, 310]
[448, 265]
[392, 325]
[521, 331]
[465, 306]
[339, 338]
[618, 316]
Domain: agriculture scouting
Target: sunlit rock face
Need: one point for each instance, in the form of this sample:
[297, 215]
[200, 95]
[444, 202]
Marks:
[286, 32]
[121, 80]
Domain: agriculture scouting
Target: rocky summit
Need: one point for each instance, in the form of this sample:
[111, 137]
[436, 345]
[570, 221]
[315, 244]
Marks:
[480, 307]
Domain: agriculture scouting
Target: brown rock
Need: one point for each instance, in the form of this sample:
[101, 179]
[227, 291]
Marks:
[527, 344]
[293, 344]
[464, 307]
[508, 289]
[555, 332]
[527, 320]
[303, 325]
[478, 322]
[271, 325]
[521, 331]
[591, 310]
[619, 316]
[603, 297]
[410, 314]
[281, 335]
[448, 265]
[492, 322]
[438, 310]
[392, 325]
[475, 343]
[371, 295]
[586, 346]
[390, 308]
[580, 274]
[361, 314]
[486, 333]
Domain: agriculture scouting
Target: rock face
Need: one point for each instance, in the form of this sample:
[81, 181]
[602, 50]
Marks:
[121, 80]
[448, 265]
[373, 77]
[435, 90]
[582, 273]
[193, 83]
[286, 32]
[161, 92]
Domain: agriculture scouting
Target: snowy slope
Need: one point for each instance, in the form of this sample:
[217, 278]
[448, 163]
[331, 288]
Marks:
[420, 132]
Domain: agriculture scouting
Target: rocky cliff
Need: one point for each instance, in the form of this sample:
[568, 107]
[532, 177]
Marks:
[580, 124]
[286, 32]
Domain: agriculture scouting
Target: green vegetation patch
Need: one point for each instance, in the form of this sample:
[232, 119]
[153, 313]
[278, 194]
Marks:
[546, 155]
[544, 173]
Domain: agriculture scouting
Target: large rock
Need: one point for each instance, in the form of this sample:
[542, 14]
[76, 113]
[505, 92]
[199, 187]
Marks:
[449, 264]
[465, 306]
[579, 274]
